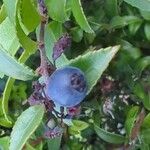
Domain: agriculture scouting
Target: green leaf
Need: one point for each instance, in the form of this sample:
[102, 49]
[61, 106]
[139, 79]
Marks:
[4, 143]
[89, 37]
[142, 64]
[144, 135]
[7, 91]
[25, 125]
[77, 34]
[111, 8]
[1, 113]
[140, 4]
[144, 146]
[79, 16]
[145, 14]
[52, 33]
[5, 123]
[130, 120]
[13, 9]
[78, 125]
[147, 30]
[10, 7]
[94, 63]
[10, 67]
[28, 44]
[8, 37]
[130, 50]
[54, 144]
[3, 14]
[146, 101]
[119, 22]
[146, 122]
[133, 28]
[5, 98]
[29, 15]
[96, 116]
[109, 137]
[1, 75]
[68, 8]
[56, 9]
[139, 91]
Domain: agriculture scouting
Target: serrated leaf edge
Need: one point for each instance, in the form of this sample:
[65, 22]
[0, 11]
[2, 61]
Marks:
[114, 50]
[21, 64]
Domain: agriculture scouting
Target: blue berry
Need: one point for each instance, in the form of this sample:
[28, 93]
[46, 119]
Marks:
[67, 86]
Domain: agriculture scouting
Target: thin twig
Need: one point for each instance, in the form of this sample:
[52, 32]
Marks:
[43, 70]
[44, 64]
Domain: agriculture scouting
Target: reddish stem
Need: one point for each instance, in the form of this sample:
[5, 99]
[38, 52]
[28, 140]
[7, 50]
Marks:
[44, 67]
